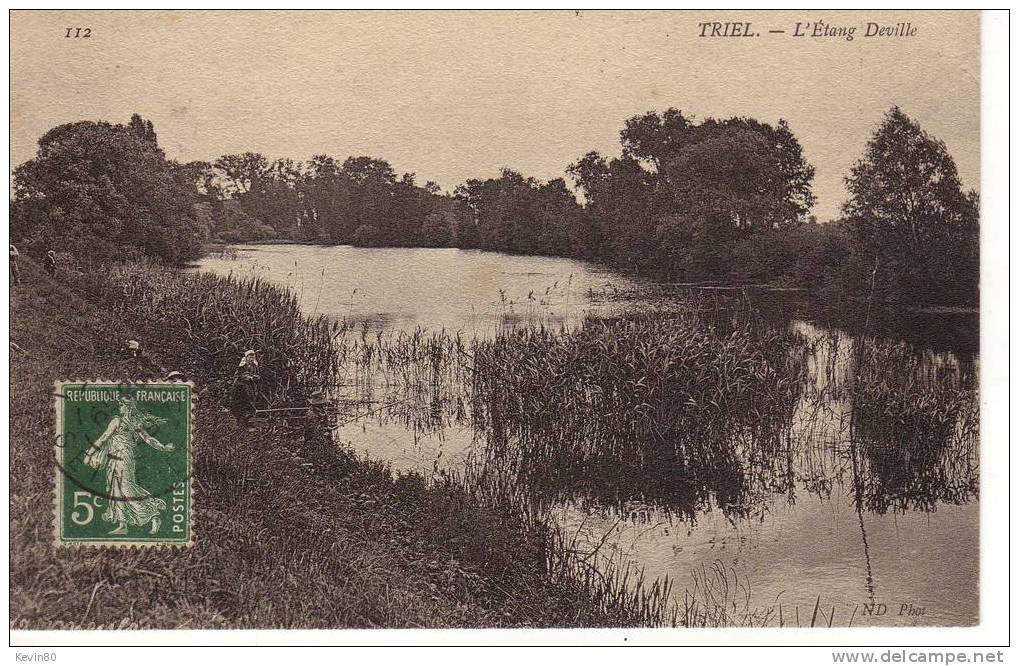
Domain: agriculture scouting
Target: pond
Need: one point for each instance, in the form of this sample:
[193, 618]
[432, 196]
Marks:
[827, 522]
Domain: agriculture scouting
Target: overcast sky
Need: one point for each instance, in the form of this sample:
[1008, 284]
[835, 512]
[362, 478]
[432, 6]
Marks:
[452, 96]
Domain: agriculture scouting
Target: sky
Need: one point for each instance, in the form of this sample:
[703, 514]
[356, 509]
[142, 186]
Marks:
[458, 95]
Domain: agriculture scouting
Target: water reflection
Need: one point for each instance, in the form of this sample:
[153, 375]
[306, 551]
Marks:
[857, 481]
[883, 430]
[436, 289]
[907, 428]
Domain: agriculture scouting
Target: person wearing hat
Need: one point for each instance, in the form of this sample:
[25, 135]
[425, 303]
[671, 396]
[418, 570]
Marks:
[51, 263]
[246, 387]
[135, 353]
[15, 273]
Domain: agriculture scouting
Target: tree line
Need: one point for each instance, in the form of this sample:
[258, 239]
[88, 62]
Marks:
[685, 201]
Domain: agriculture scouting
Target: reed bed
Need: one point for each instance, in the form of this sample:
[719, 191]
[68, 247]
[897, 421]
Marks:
[221, 317]
[310, 535]
[916, 422]
[654, 407]
[681, 409]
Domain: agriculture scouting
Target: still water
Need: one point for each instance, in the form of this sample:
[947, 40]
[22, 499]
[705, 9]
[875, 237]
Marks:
[822, 539]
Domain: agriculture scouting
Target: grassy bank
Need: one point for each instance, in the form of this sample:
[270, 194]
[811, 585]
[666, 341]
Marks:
[290, 530]
[686, 407]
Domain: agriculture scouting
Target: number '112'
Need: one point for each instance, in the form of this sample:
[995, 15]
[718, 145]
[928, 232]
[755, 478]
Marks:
[83, 33]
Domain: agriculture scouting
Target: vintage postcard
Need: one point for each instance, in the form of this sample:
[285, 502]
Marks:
[499, 319]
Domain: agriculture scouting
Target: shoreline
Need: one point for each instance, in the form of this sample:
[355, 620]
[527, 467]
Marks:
[716, 286]
[349, 543]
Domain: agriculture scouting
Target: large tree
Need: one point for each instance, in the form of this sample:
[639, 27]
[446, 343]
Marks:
[746, 171]
[684, 192]
[106, 190]
[522, 215]
[908, 210]
[621, 206]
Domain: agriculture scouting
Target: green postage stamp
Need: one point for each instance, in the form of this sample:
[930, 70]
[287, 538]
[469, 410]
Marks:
[123, 453]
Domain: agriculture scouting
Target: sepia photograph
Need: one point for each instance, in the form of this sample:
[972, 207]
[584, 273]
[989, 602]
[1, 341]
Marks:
[567, 320]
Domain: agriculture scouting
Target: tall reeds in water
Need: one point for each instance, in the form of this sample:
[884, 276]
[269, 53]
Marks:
[676, 408]
[657, 407]
[916, 420]
[679, 409]
[661, 409]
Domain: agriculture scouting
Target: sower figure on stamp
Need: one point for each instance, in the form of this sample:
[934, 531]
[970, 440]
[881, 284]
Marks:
[246, 388]
[114, 453]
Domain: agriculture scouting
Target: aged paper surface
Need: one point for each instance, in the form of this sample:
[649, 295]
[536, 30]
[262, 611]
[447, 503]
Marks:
[496, 319]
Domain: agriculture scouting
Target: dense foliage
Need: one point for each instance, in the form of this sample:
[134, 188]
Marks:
[681, 195]
[106, 191]
[674, 205]
[909, 214]
[716, 200]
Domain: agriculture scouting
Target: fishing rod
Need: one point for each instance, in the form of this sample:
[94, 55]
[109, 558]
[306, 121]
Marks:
[283, 409]
[369, 413]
